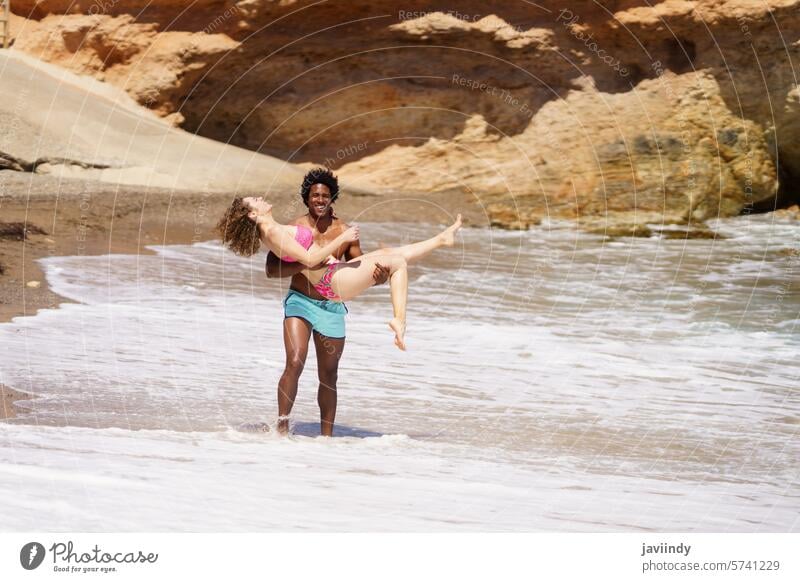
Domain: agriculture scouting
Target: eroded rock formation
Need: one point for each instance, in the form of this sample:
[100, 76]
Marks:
[675, 110]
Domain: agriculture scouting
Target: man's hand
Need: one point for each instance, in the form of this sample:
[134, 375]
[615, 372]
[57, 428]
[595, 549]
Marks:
[381, 274]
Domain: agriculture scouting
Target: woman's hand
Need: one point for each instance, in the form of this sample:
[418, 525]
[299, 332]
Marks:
[350, 235]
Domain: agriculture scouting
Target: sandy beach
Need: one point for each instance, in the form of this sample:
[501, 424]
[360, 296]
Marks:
[8, 396]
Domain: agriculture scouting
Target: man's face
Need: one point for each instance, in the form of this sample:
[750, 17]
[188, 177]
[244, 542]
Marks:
[319, 200]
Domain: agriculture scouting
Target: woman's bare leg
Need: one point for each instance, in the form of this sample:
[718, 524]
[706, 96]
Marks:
[398, 283]
[351, 279]
[416, 251]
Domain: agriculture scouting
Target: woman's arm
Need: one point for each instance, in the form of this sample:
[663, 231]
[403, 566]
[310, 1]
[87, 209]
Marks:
[282, 244]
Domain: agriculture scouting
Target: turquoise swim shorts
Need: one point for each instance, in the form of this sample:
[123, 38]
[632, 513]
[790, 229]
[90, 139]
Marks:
[326, 317]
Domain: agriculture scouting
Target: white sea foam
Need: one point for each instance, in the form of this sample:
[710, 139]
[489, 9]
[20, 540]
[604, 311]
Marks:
[554, 381]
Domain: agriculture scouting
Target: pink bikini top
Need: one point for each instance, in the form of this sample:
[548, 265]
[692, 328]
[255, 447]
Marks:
[304, 236]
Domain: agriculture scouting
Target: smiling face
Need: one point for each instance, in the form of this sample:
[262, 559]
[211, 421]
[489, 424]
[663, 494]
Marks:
[319, 200]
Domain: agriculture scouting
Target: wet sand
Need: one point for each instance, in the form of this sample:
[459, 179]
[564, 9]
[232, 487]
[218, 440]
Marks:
[8, 397]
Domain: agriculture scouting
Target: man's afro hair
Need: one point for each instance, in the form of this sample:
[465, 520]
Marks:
[320, 176]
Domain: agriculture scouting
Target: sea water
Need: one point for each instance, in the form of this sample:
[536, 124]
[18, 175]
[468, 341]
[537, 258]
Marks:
[554, 381]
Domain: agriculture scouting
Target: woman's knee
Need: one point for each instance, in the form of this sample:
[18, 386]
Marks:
[398, 263]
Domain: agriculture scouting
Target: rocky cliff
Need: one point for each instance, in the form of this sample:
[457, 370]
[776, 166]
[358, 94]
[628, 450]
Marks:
[651, 111]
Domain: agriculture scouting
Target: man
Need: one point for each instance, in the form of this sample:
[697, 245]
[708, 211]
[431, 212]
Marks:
[306, 312]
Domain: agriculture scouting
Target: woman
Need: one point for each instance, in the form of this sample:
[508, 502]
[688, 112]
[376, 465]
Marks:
[248, 222]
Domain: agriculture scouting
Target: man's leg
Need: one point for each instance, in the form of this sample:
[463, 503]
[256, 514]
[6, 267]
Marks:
[329, 352]
[296, 333]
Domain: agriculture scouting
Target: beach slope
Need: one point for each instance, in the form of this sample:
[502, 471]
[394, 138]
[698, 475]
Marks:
[62, 124]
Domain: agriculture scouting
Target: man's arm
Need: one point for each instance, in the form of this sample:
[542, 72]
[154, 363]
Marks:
[280, 269]
[354, 250]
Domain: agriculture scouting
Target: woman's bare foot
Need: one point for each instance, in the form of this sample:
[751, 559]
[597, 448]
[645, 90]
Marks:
[399, 329]
[449, 235]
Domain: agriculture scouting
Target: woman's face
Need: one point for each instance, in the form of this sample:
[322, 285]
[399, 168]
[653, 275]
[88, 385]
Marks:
[257, 204]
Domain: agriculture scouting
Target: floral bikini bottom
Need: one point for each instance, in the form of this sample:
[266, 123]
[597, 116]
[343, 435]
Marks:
[323, 287]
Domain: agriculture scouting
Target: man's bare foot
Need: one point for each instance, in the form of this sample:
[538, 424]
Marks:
[399, 329]
[449, 235]
[283, 425]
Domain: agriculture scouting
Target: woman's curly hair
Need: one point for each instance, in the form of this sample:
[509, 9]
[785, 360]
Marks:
[319, 176]
[239, 232]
